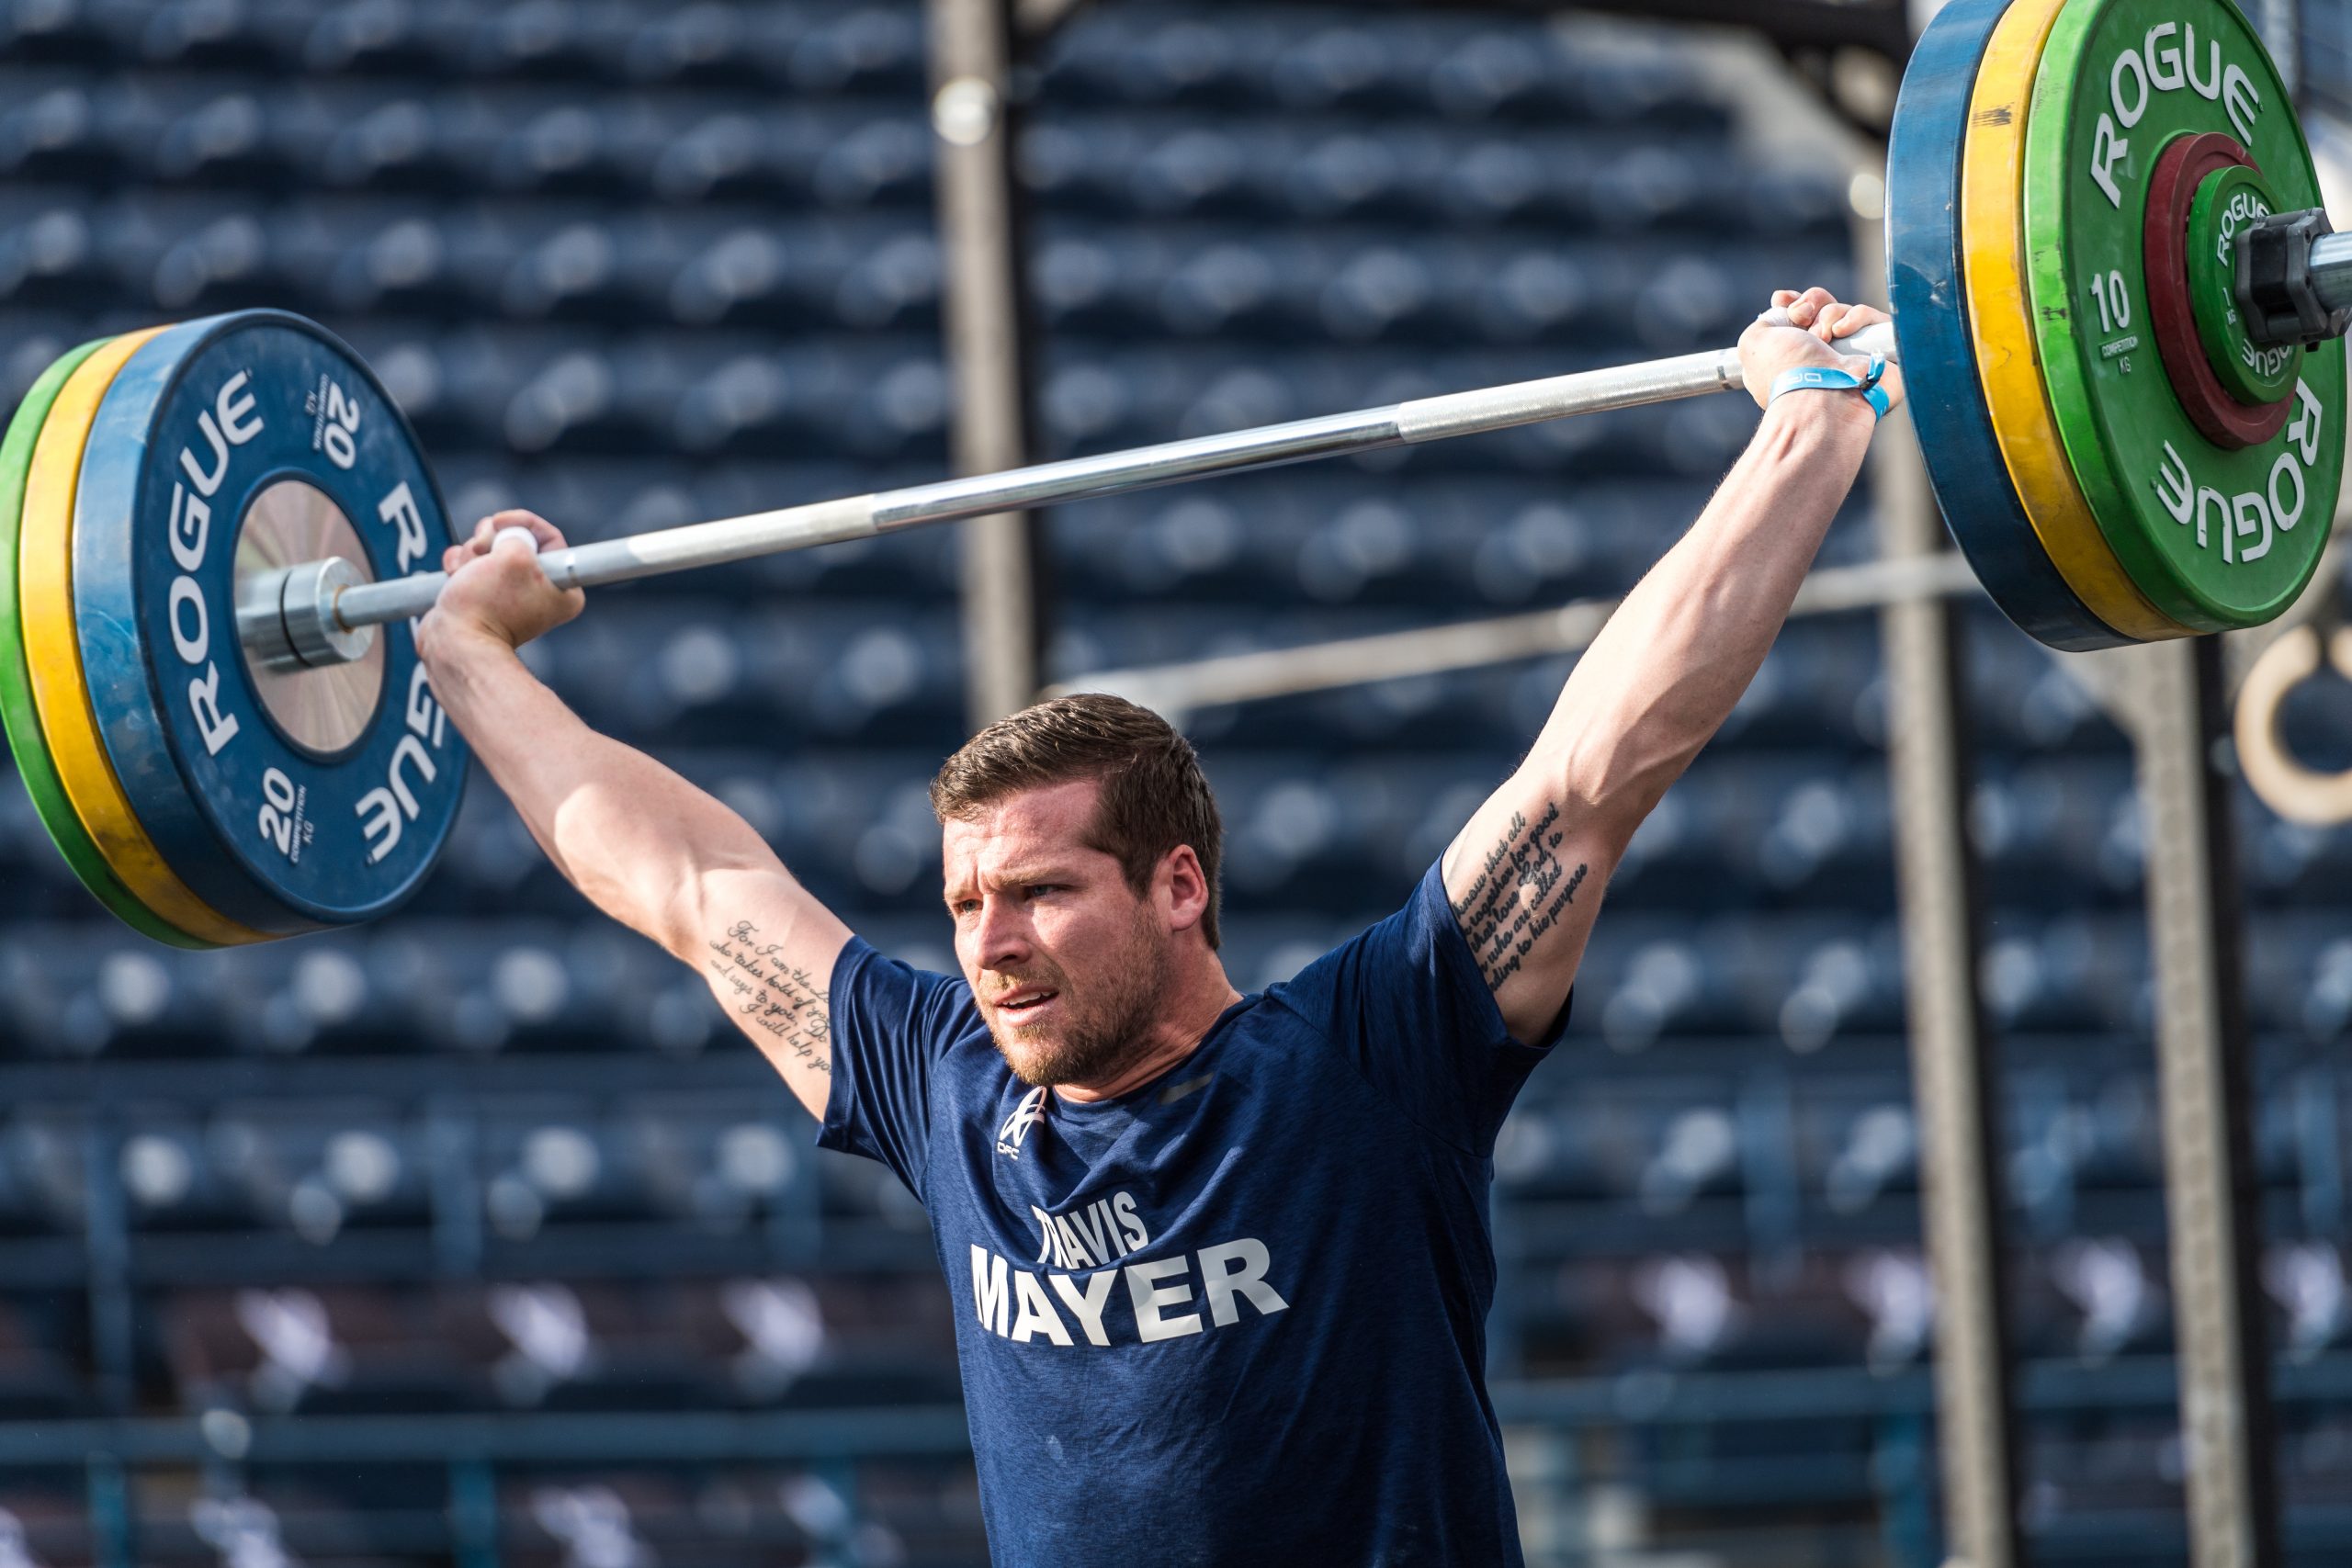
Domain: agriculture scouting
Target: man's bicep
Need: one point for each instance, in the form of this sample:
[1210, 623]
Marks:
[766, 948]
[1523, 879]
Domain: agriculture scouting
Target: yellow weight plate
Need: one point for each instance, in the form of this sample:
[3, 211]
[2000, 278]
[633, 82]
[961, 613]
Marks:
[1991, 212]
[54, 655]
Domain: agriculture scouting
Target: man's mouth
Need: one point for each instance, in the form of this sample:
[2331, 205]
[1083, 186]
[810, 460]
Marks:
[1024, 1004]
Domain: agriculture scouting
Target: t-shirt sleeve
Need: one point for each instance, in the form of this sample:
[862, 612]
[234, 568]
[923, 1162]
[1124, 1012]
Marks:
[1406, 1003]
[890, 1023]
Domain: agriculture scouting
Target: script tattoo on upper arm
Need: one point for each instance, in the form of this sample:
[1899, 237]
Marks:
[771, 995]
[1519, 893]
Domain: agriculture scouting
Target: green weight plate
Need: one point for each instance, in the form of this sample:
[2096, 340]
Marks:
[2216, 539]
[26, 741]
[2225, 205]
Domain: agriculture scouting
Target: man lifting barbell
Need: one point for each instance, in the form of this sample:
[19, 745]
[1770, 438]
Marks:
[2107, 261]
[1185, 1333]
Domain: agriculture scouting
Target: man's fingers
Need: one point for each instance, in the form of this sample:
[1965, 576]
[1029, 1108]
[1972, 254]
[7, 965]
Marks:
[1857, 317]
[548, 536]
[544, 534]
[1821, 313]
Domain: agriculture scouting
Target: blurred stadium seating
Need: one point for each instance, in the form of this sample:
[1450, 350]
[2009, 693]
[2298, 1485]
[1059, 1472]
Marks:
[479, 1237]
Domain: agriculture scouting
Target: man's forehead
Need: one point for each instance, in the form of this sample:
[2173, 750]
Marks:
[1053, 811]
[1025, 831]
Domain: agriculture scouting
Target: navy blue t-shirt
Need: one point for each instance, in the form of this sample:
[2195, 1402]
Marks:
[1235, 1315]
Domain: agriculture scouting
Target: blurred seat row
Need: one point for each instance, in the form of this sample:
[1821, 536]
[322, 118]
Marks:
[207, 131]
[346, 1159]
[676, 1343]
[192, 254]
[820, 47]
[2082, 1302]
[608, 1345]
[1293, 59]
[2101, 1484]
[503, 1168]
[1806, 978]
[1757, 827]
[419, 1514]
[719, 266]
[689, 146]
[842, 1342]
[1594, 183]
[1832, 1159]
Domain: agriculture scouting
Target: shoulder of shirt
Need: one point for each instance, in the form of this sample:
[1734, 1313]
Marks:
[962, 1013]
[1276, 994]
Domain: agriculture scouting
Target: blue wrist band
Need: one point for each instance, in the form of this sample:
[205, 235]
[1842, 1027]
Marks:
[1831, 378]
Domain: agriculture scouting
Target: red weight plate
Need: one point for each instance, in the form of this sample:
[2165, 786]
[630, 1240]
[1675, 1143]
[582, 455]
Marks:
[2187, 163]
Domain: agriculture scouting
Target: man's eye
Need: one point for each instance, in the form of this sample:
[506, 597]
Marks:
[1038, 887]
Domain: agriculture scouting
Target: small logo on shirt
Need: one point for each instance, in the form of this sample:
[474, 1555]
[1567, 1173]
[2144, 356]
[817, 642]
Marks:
[1025, 1116]
[1177, 1092]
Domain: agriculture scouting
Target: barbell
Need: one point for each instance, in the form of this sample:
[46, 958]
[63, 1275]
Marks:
[2115, 299]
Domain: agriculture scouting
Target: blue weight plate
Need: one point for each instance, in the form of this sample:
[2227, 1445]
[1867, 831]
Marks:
[1924, 282]
[225, 446]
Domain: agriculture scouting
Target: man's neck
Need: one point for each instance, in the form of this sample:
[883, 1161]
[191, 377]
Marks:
[1191, 1012]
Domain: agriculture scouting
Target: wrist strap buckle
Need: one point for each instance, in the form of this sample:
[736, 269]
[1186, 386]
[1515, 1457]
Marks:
[1836, 379]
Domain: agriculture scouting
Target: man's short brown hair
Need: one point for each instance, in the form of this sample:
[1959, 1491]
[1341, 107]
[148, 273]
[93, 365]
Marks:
[1154, 796]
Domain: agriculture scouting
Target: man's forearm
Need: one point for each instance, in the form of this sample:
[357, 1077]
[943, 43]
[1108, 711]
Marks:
[1673, 662]
[628, 832]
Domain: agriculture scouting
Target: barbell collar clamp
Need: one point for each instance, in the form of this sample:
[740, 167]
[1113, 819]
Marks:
[2294, 279]
[287, 618]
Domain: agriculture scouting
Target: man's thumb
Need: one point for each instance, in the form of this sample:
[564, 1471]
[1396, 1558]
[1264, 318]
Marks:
[514, 538]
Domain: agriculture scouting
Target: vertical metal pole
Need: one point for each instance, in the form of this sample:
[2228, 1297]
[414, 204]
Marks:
[979, 236]
[2203, 1044]
[114, 1519]
[1954, 1084]
[473, 1513]
[2280, 23]
[107, 1247]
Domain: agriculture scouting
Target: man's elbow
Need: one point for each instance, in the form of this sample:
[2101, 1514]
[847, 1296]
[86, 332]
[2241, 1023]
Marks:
[644, 882]
[702, 901]
[1612, 788]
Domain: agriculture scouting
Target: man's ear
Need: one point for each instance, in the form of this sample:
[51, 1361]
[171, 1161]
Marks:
[1186, 888]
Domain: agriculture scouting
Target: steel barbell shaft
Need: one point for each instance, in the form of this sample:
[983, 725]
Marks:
[2331, 270]
[1113, 473]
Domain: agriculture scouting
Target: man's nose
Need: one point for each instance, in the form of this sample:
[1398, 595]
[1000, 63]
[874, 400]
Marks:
[1003, 934]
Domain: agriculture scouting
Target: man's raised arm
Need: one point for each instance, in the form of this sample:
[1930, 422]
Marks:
[1525, 875]
[648, 849]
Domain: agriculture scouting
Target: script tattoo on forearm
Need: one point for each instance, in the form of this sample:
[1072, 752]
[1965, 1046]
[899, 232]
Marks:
[771, 995]
[1517, 895]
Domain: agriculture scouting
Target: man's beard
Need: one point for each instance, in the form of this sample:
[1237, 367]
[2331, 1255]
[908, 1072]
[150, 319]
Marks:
[1094, 1035]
